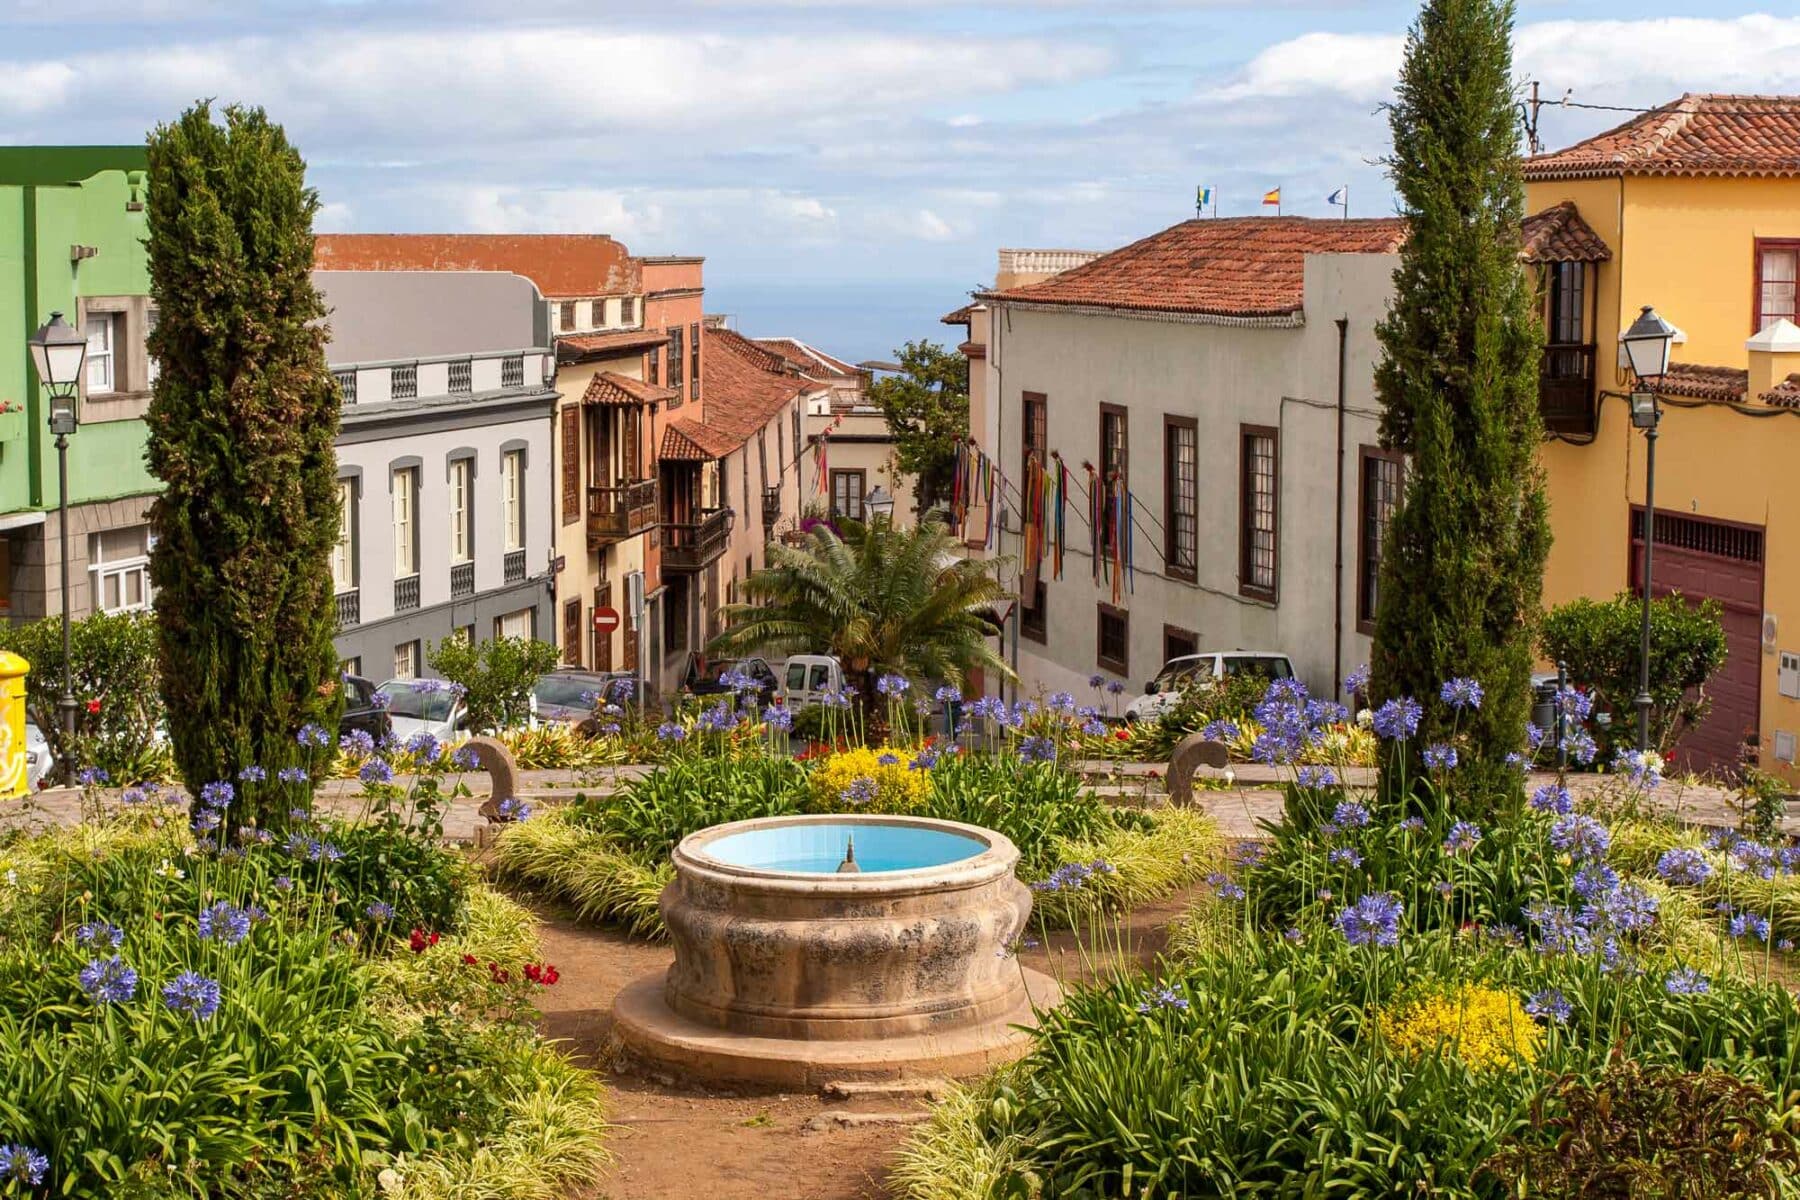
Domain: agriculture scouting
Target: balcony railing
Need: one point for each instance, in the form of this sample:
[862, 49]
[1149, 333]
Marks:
[771, 506]
[349, 608]
[691, 546]
[462, 579]
[617, 513]
[1566, 388]
[514, 567]
[1043, 262]
[406, 593]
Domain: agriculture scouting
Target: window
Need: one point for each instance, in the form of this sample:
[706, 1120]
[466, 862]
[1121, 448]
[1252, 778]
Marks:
[1033, 431]
[152, 365]
[1568, 303]
[1181, 505]
[571, 463]
[1379, 489]
[674, 380]
[512, 485]
[674, 614]
[520, 624]
[406, 660]
[353, 666]
[406, 522]
[343, 555]
[462, 510]
[571, 633]
[102, 340]
[566, 316]
[694, 360]
[1179, 643]
[1777, 268]
[464, 634]
[119, 569]
[1258, 527]
[653, 373]
[628, 310]
[598, 318]
[1034, 622]
[1114, 455]
[1114, 640]
[847, 494]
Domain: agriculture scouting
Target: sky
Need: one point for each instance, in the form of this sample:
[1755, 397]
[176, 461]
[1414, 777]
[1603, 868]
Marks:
[848, 167]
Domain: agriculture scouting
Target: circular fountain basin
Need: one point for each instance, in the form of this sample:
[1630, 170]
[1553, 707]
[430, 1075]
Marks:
[818, 948]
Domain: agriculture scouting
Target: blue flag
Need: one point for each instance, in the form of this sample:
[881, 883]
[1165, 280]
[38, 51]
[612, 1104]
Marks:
[1337, 198]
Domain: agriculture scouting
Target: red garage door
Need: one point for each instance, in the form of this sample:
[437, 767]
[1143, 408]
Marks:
[1711, 559]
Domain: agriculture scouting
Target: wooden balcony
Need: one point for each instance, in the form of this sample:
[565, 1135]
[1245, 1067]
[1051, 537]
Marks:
[771, 506]
[1566, 388]
[692, 546]
[617, 513]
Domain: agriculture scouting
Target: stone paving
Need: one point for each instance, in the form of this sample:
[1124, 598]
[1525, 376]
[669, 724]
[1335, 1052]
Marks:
[1242, 810]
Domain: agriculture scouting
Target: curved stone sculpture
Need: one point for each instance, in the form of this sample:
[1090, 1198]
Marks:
[1191, 753]
[502, 769]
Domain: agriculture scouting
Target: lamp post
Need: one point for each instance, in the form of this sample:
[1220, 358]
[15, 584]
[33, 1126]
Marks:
[880, 503]
[58, 353]
[1647, 345]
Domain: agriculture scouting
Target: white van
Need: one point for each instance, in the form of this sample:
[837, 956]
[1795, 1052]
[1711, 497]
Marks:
[1162, 693]
[806, 678]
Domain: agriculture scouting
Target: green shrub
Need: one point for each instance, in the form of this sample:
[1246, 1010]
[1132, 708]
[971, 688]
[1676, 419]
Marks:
[1601, 642]
[653, 813]
[1233, 698]
[114, 680]
[497, 676]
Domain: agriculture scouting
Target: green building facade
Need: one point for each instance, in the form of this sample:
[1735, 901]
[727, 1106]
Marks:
[72, 228]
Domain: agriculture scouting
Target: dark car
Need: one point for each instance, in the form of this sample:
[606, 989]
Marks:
[707, 682]
[362, 711]
[568, 697]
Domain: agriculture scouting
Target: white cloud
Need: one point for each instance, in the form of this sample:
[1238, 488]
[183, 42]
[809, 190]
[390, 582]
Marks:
[334, 217]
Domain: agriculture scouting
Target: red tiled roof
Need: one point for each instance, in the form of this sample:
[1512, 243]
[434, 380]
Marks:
[598, 345]
[610, 387]
[695, 441]
[746, 383]
[808, 360]
[1695, 135]
[1785, 394]
[1238, 267]
[1698, 382]
[958, 317]
[1560, 235]
[561, 264]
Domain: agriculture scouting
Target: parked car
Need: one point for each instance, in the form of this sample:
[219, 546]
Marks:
[37, 756]
[362, 710]
[424, 706]
[708, 682]
[807, 677]
[567, 696]
[1164, 692]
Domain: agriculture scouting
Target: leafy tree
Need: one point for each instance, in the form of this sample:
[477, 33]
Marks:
[497, 676]
[1602, 642]
[114, 678]
[927, 410]
[881, 598]
[1464, 560]
[240, 433]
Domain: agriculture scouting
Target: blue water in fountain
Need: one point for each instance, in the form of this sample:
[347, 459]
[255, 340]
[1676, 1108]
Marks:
[818, 848]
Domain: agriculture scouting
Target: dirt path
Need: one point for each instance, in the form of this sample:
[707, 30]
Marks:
[684, 1143]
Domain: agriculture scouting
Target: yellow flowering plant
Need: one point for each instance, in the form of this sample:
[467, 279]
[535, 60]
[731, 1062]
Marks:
[867, 780]
[1488, 1029]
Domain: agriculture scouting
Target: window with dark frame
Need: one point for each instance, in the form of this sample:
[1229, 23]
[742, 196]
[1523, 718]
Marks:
[1568, 302]
[566, 315]
[1379, 478]
[1181, 497]
[694, 361]
[653, 373]
[1777, 275]
[1179, 643]
[1033, 430]
[1034, 624]
[847, 494]
[1113, 640]
[1258, 512]
[675, 360]
[1114, 464]
[628, 310]
[598, 316]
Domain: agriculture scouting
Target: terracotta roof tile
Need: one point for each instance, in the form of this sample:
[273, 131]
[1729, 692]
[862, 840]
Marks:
[610, 387]
[561, 264]
[1785, 394]
[599, 345]
[746, 384]
[1560, 235]
[1234, 267]
[958, 317]
[1699, 382]
[695, 441]
[808, 360]
[1695, 135]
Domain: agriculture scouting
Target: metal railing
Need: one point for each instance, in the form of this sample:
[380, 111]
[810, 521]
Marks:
[462, 579]
[616, 513]
[513, 569]
[349, 608]
[771, 505]
[689, 546]
[1566, 387]
[406, 593]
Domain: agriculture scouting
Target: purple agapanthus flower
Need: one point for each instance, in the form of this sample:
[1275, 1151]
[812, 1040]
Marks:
[225, 923]
[1683, 864]
[1553, 798]
[22, 1164]
[1373, 920]
[1685, 981]
[1461, 692]
[193, 994]
[1550, 1004]
[108, 981]
[1439, 757]
[1398, 719]
[1580, 836]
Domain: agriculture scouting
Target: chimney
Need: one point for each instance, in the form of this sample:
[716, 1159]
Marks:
[1774, 355]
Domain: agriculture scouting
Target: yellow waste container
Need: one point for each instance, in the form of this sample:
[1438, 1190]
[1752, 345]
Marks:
[13, 774]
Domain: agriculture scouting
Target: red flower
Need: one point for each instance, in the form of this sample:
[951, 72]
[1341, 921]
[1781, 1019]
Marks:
[93, 707]
[1124, 735]
[420, 939]
[542, 974]
[468, 960]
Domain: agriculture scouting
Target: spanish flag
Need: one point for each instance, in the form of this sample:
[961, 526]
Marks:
[1273, 197]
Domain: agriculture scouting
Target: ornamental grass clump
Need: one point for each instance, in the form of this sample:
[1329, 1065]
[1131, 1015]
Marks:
[1485, 1027]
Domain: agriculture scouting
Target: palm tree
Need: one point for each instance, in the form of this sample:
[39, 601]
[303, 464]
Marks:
[879, 598]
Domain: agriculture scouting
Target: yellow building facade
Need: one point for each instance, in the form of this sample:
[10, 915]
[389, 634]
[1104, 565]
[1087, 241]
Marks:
[1698, 207]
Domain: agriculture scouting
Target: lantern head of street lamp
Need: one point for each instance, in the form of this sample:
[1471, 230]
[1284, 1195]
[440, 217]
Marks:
[1647, 345]
[58, 354]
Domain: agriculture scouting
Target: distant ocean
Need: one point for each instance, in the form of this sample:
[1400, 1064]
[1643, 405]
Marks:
[856, 320]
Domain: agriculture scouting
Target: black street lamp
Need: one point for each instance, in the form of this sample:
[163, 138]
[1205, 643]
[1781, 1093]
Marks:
[880, 504]
[1647, 345]
[58, 353]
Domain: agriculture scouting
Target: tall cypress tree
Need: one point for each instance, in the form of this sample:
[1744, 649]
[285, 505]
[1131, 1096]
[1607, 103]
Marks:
[240, 432]
[1463, 565]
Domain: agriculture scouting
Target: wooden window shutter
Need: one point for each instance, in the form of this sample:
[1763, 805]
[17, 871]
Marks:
[571, 464]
